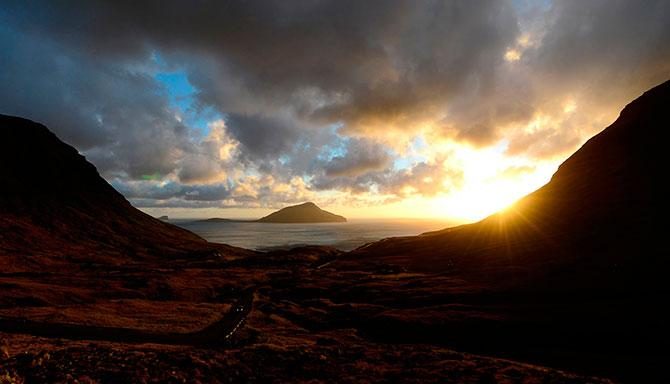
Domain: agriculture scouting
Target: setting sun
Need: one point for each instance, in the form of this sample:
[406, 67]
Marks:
[491, 181]
[476, 203]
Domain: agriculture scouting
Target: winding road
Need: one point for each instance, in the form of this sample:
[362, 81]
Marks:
[216, 334]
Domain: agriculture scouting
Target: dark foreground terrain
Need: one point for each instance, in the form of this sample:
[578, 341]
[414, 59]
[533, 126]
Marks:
[567, 286]
[296, 330]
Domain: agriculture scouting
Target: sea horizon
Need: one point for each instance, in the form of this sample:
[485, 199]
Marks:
[279, 236]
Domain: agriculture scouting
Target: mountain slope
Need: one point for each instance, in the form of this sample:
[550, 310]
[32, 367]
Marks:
[596, 217]
[303, 213]
[573, 275]
[55, 210]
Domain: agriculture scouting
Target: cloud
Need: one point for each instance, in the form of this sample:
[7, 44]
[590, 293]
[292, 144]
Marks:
[289, 100]
[361, 156]
[121, 117]
[211, 159]
[264, 137]
[177, 203]
[423, 179]
[597, 41]
[373, 65]
[172, 190]
[517, 171]
[595, 56]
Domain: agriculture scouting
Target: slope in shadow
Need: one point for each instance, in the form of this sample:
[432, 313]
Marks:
[57, 212]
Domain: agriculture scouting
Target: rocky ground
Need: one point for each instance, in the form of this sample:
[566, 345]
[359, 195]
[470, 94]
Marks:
[307, 324]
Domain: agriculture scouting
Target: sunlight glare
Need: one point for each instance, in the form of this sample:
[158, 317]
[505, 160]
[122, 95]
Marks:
[489, 186]
[512, 55]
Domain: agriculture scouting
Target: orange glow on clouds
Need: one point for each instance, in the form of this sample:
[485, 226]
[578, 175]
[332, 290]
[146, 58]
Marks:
[491, 182]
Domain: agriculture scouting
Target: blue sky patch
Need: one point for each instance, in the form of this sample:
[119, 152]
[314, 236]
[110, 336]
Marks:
[181, 95]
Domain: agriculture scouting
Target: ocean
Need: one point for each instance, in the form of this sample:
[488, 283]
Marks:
[344, 236]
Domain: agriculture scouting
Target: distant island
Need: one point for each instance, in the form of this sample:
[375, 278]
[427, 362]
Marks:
[301, 213]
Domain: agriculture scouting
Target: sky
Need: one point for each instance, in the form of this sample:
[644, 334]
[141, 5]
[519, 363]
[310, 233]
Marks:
[415, 109]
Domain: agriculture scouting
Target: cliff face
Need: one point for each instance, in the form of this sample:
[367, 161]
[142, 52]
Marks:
[597, 217]
[303, 213]
[56, 210]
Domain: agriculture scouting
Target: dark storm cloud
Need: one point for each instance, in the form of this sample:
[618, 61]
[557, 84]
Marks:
[264, 137]
[121, 116]
[361, 156]
[602, 53]
[478, 115]
[283, 74]
[601, 40]
[613, 50]
[334, 61]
